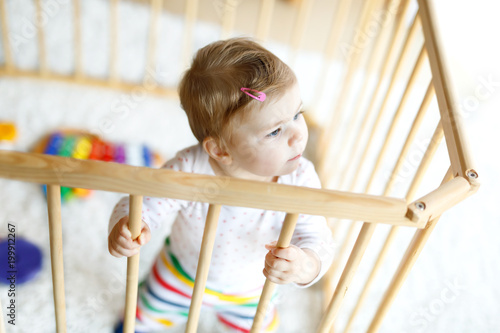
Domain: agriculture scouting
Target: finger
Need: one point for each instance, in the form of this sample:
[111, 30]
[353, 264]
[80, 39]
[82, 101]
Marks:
[276, 264]
[269, 259]
[118, 251]
[271, 245]
[145, 235]
[274, 278]
[127, 243]
[141, 240]
[289, 253]
[126, 252]
[113, 252]
[130, 253]
[144, 227]
[124, 231]
[123, 222]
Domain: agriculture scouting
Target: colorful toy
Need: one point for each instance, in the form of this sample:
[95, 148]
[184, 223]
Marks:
[84, 146]
[8, 132]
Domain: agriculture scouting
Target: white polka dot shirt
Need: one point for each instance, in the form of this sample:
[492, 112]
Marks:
[238, 255]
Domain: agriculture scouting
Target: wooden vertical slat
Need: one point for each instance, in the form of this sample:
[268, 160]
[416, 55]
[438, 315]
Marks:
[5, 37]
[355, 257]
[347, 240]
[447, 97]
[299, 29]
[228, 18]
[371, 108]
[267, 292]
[325, 142]
[264, 22]
[207, 246]
[397, 115]
[78, 39]
[368, 232]
[388, 51]
[435, 140]
[135, 222]
[56, 255]
[301, 21]
[378, 119]
[156, 6]
[424, 165]
[113, 26]
[409, 258]
[359, 248]
[429, 95]
[187, 37]
[338, 25]
[42, 55]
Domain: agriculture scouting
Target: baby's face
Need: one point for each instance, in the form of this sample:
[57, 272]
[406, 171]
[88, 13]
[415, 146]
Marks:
[269, 142]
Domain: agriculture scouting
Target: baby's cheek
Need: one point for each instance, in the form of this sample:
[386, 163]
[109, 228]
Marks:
[248, 152]
[271, 160]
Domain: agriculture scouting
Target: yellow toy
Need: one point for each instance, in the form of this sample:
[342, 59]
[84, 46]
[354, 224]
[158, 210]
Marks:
[8, 132]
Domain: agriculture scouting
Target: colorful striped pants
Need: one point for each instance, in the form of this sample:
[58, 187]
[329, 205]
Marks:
[165, 296]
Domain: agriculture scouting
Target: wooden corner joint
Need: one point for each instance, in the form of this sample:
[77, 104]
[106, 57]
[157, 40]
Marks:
[441, 199]
[473, 177]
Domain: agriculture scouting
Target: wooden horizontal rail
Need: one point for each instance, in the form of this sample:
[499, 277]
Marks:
[114, 177]
[441, 199]
[149, 86]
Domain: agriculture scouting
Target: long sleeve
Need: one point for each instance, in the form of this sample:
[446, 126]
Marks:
[155, 210]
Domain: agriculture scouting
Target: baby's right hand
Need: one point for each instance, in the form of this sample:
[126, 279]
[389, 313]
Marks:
[120, 242]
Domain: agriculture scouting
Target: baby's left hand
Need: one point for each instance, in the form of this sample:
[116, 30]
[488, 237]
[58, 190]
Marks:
[291, 264]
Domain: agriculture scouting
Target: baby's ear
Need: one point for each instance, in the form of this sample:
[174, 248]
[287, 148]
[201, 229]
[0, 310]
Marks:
[216, 150]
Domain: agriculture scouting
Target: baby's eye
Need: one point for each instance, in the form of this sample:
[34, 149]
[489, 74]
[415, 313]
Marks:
[274, 133]
[297, 115]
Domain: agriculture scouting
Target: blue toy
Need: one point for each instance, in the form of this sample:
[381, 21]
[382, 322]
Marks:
[20, 261]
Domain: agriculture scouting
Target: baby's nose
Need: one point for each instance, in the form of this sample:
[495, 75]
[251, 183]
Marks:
[296, 137]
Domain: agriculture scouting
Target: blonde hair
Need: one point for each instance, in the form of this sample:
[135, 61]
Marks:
[210, 90]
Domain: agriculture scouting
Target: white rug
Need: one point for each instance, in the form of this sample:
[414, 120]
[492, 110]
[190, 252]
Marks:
[453, 287]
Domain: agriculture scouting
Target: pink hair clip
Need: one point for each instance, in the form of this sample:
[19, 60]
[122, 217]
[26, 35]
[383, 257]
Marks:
[255, 94]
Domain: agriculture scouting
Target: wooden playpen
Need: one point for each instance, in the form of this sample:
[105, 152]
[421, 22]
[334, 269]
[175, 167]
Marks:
[383, 49]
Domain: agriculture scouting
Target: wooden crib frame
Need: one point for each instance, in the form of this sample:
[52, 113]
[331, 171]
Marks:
[460, 181]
